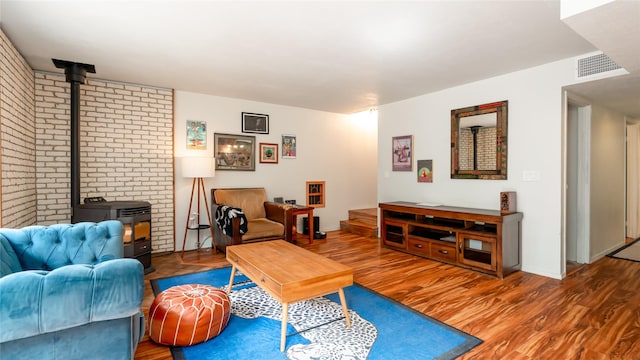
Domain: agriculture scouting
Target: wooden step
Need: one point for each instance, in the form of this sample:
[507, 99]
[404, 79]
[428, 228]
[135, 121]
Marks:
[359, 228]
[363, 222]
[366, 216]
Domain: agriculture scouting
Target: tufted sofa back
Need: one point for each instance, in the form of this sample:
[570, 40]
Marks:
[50, 247]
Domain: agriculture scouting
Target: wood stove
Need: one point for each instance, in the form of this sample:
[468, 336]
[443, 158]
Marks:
[136, 218]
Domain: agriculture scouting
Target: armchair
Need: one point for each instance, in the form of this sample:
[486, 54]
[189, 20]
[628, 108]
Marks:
[67, 293]
[264, 220]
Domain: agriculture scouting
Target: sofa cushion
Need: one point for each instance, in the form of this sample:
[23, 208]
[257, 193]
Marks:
[263, 228]
[251, 201]
[36, 302]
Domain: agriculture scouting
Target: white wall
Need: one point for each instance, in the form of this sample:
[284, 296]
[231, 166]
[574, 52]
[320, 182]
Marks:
[336, 148]
[535, 144]
[607, 177]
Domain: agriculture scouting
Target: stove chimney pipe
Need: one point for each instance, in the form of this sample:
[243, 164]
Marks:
[75, 74]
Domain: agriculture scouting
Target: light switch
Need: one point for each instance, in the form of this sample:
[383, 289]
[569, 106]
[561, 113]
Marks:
[530, 175]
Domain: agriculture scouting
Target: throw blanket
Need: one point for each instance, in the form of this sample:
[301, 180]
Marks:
[224, 219]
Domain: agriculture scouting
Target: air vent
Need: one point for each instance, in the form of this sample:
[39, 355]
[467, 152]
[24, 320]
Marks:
[134, 211]
[597, 64]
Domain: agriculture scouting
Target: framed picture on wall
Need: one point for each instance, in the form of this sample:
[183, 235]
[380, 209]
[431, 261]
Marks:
[268, 153]
[235, 152]
[402, 153]
[289, 145]
[425, 171]
[255, 123]
[196, 135]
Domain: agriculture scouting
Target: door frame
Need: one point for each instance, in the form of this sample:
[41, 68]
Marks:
[582, 206]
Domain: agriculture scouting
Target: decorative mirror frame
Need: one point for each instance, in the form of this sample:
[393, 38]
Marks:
[500, 172]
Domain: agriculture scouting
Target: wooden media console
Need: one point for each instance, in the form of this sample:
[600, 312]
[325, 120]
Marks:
[477, 239]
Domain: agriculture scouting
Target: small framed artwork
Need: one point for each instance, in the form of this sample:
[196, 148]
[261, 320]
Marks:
[268, 153]
[196, 135]
[425, 171]
[289, 146]
[255, 123]
[402, 153]
[235, 152]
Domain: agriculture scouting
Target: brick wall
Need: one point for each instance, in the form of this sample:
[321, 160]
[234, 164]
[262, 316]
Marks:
[486, 143]
[17, 136]
[487, 148]
[465, 149]
[126, 148]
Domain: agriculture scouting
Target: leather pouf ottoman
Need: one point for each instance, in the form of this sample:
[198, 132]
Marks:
[188, 314]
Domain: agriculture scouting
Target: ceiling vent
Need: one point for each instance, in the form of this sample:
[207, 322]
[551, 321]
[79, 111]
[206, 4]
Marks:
[597, 65]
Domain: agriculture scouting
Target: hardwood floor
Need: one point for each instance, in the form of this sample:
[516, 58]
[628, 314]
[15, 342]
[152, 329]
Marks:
[593, 313]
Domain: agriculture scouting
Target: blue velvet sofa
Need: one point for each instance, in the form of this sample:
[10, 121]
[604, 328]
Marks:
[67, 293]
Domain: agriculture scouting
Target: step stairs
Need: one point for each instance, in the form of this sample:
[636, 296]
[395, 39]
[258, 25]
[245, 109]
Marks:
[363, 222]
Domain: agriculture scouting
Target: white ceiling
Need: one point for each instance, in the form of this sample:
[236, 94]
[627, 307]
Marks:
[334, 56]
[613, 28]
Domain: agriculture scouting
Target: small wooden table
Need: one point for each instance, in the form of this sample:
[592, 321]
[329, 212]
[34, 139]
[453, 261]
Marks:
[290, 274]
[301, 210]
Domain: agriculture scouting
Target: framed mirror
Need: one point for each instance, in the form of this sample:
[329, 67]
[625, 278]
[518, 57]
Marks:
[479, 142]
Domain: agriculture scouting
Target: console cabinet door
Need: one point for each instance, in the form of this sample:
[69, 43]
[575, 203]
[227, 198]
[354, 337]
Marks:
[477, 251]
[394, 233]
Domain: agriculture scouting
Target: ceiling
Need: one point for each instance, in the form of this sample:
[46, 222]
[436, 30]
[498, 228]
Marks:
[339, 57]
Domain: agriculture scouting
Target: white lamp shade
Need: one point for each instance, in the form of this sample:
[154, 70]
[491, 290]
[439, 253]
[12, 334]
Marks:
[198, 167]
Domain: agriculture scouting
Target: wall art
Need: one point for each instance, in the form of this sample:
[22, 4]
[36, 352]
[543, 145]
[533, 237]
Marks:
[235, 152]
[402, 153]
[255, 123]
[268, 153]
[425, 171]
[289, 145]
[196, 135]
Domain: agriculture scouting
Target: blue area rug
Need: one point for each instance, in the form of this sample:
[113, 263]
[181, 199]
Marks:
[382, 328]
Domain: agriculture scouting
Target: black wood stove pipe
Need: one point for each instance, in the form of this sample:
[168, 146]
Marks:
[75, 74]
[474, 131]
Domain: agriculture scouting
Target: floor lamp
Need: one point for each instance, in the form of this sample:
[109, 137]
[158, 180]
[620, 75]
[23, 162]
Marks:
[198, 168]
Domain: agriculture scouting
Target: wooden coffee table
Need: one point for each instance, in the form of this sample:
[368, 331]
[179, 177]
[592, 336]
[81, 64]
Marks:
[290, 274]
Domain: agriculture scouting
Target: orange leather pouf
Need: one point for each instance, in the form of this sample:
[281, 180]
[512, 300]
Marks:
[188, 314]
